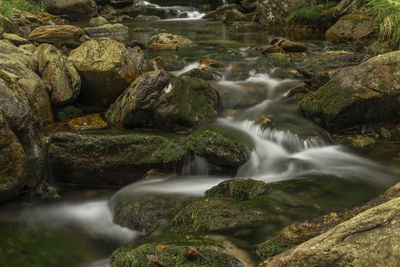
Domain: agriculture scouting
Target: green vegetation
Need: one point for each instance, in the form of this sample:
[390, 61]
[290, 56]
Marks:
[1, 31]
[24, 5]
[352, 264]
[313, 14]
[387, 21]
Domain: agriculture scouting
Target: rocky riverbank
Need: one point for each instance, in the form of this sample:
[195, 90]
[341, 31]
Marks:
[84, 101]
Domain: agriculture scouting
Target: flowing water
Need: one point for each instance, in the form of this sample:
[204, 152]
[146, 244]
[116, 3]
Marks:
[313, 175]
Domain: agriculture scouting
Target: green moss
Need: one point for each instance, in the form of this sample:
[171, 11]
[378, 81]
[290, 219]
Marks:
[313, 15]
[379, 48]
[280, 60]
[1, 31]
[352, 264]
[219, 146]
[24, 5]
[273, 247]
[238, 189]
[5, 77]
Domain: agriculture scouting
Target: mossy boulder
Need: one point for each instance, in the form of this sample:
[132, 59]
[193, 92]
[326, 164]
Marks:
[12, 162]
[280, 60]
[167, 41]
[146, 212]
[181, 251]
[59, 75]
[242, 26]
[97, 21]
[219, 146]
[106, 69]
[238, 189]
[160, 100]
[359, 94]
[106, 30]
[206, 215]
[101, 159]
[169, 63]
[351, 28]
[72, 9]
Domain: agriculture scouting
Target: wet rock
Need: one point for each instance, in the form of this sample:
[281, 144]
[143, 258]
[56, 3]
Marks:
[280, 60]
[15, 39]
[72, 9]
[202, 72]
[169, 63]
[146, 212]
[213, 215]
[12, 162]
[57, 35]
[355, 95]
[268, 49]
[348, 6]
[106, 69]
[290, 46]
[370, 238]
[28, 47]
[106, 30]
[59, 75]
[88, 122]
[9, 26]
[324, 61]
[298, 233]
[219, 13]
[358, 142]
[351, 28]
[98, 21]
[160, 100]
[182, 251]
[103, 160]
[238, 189]
[220, 147]
[269, 13]
[168, 41]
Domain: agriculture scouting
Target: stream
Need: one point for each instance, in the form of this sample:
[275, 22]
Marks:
[314, 175]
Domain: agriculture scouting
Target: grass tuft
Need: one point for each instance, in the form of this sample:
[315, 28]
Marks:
[24, 5]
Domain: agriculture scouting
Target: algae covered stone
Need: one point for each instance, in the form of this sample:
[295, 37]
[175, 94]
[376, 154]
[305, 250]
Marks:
[220, 147]
[106, 68]
[160, 100]
[238, 189]
[104, 159]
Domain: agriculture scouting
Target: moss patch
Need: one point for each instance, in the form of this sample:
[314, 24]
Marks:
[238, 189]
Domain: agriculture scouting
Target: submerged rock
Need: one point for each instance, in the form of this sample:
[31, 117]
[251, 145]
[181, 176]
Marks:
[57, 35]
[220, 147]
[88, 122]
[370, 238]
[104, 160]
[355, 95]
[160, 100]
[106, 68]
[59, 75]
[168, 41]
[180, 251]
[72, 9]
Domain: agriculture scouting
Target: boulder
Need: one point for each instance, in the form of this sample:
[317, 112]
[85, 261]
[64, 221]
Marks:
[102, 159]
[220, 147]
[98, 21]
[289, 46]
[269, 12]
[238, 189]
[364, 93]
[348, 6]
[168, 41]
[369, 239]
[72, 9]
[179, 251]
[9, 26]
[160, 100]
[12, 161]
[233, 15]
[106, 30]
[214, 214]
[106, 69]
[59, 75]
[15, 39]
[57, 35]
[351, 28]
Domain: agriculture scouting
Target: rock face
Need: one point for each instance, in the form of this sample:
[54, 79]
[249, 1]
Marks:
[369, 239]
[59, 75]
[57, 35]
[106, 69]
[72, 9]
[168, 41]
[160, 100]
[12, 161]
[355, 95]
[351, 28]
[104, 160]
[219, 147]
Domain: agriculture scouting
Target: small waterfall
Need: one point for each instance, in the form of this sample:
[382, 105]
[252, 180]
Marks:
[183, 12]
[189, 67]
[225, 2]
